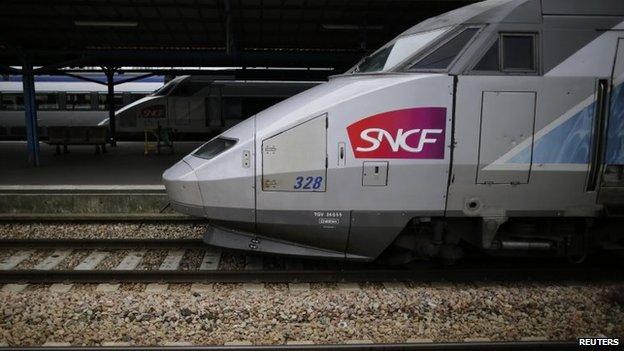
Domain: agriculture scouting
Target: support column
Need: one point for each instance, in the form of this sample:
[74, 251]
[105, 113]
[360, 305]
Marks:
[30, 110]
[110, 82]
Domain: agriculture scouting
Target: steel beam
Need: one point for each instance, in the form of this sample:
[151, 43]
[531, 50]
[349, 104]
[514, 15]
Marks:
[30, 110]
[110, 82]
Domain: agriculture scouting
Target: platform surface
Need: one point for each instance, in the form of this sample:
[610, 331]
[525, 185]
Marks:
[122, 167]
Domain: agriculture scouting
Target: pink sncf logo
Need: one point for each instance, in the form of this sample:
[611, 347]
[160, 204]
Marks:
[413, 133]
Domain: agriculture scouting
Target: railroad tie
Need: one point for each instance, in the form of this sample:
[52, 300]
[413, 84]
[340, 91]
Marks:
[91, 261]
[238, 343]
[115, 344]
[394, 285]
[13, 288]
[15, 259]
[293, 265]
[105, 287]
[211, 260]
[348, 286]
[53, 260]
[253, 263]
[299, 342]
[56, 344]
[419, 341]
[131, 261]
[359, 342]
[299, 287]
[60, 288]
[156, 287]
[173, 259]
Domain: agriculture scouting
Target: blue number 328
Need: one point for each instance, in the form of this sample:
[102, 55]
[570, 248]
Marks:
[308, 182]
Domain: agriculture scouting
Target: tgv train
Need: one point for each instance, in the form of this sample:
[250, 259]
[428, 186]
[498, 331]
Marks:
[202, 105]
[65, 101]
[497, 126]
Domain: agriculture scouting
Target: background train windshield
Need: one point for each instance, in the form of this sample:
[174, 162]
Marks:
[165, 89]
[214, 147]
[396, 51]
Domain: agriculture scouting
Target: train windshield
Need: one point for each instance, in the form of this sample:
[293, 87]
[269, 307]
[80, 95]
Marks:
[165, 89]
[397, 51]
[214, 147]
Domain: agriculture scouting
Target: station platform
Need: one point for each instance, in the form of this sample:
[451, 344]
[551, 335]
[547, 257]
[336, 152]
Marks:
[121, 184]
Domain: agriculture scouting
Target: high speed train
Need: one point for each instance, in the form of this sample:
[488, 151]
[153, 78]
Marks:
[192, 106]
[195, 106]
[498, 126]
[66, 101]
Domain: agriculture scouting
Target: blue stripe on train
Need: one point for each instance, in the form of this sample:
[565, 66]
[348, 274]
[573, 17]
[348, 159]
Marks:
[570, 141]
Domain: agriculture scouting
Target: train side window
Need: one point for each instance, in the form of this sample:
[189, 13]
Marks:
[518, 53]
[443, 56]
[489, 62]
[103, 101]
[47, 101]
[511, 53]
[78, 101]
[188, 88]
[12, 101]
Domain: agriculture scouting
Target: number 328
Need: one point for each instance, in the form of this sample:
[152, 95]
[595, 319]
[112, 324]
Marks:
[308, 182]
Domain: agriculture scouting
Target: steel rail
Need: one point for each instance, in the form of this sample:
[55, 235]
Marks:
[456, 275]
[99, 243]
[464, 346]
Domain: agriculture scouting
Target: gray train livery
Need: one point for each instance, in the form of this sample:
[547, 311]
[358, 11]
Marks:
[498, 127]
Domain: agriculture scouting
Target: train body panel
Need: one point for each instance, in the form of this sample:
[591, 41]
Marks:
[499, 125]
[321, 217]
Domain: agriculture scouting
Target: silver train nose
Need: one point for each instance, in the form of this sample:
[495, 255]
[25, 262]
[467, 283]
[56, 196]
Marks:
[183, 189]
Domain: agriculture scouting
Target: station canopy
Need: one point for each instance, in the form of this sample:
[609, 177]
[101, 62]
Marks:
[292, 34]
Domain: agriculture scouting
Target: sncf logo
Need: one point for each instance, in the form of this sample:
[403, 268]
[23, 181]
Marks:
[415, 133]
[155, 111]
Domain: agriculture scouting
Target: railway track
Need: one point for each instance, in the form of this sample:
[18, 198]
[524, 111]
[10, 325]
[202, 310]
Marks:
[47, 255]
[465, 346]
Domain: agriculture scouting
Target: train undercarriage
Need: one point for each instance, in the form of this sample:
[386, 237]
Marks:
[449, 239]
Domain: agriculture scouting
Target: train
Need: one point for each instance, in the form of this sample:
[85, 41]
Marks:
[65, 101]
[198, 106]
[192, 107]
[496, 128]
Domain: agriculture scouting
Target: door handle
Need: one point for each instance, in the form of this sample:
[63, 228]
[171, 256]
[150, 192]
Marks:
[342, 157]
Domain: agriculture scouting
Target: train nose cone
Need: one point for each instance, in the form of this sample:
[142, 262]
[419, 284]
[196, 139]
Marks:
[183, 189]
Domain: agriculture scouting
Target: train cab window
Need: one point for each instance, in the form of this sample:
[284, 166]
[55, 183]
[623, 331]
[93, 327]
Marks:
[214, 147]
[103, 101]
[397, 51]
[489, 62]
[165, 89]
[518, 52]
[47, 101]
[443, 56]
[12, 101]
[136, 96]
[78, 101]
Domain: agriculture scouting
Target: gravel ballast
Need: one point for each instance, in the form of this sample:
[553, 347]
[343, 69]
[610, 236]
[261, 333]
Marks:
[324, 314]
[102, 230]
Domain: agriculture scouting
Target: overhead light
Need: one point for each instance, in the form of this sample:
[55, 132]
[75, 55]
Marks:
[106, 23]
[349, 27]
